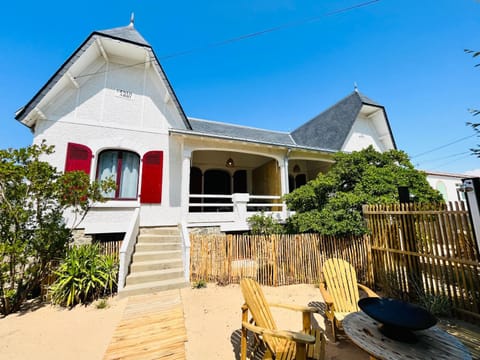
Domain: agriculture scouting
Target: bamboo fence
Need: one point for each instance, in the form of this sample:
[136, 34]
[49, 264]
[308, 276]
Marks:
[425, 250]
[273, 259]
[110, 247]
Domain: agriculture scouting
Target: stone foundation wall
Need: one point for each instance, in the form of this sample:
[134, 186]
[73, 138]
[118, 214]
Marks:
[79, 237]
[205, 230]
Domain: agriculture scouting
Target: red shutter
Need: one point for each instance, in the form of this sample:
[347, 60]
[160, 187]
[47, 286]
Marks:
[79, 157]
[152, 173]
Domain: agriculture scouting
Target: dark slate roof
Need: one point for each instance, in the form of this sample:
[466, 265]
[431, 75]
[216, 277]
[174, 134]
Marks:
[326, 132]
[224, 130]
[125, 33]
[331, 128]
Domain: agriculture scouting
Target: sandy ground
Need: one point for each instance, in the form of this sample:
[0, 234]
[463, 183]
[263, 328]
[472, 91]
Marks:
[212, 318]
[50, 332]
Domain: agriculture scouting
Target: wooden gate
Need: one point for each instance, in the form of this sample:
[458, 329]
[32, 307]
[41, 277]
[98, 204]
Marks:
[423, 250]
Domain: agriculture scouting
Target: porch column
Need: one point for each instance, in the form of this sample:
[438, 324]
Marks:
[284, 175]
[185, 182]
[284, 182]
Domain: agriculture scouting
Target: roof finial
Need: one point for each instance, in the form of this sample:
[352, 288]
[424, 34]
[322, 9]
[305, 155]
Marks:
[132, 20]
[355, 87]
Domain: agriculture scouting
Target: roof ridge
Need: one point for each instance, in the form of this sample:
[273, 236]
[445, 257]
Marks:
[293, 145]
[447, 174]
[124, 33]
[363, 98]
[366, 100]
[327, 109]
[237, 125]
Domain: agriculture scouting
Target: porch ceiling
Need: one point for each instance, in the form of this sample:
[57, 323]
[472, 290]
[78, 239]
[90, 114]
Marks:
[218, 159]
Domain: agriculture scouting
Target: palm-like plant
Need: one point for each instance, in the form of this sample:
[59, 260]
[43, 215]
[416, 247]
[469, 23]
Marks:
[84, 276]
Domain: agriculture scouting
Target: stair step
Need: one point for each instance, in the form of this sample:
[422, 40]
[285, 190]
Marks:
[156, 238]
[156, 265]
[151, 287]
[140, 247]
[173, 230]
[154, 275]
[156, 255]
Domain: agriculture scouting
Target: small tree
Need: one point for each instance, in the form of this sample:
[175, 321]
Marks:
[33, 198]
[332, 203]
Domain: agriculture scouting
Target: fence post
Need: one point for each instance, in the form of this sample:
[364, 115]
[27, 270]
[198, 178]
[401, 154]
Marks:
[228, 255]
[414, 274]
[368, 247]
[274, 256]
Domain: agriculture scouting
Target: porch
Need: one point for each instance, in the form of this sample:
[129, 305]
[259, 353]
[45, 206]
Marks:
[225, 188]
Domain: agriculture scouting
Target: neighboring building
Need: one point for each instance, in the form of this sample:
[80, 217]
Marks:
[449, 185]
[111, 111]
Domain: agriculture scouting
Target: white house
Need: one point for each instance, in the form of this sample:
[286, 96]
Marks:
[111, 111]
[448, 184]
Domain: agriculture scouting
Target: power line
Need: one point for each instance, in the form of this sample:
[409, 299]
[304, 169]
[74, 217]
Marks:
[443, 146]
[241, 37]
[445, 157]
[452, 161]
[111, 70]
[269, 30]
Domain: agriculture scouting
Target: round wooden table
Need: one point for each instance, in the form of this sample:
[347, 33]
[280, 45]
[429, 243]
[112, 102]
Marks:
[433, 343]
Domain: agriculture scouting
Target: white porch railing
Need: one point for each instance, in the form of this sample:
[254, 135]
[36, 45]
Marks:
[205, 204]
[233, 209]
[126, 251]
[186, 250]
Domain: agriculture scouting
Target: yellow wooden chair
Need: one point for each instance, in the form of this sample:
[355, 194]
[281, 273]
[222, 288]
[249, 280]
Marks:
[280, 344]
[340, 291]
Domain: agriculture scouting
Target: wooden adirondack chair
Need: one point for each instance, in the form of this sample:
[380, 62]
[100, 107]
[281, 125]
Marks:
[340, 291]
[281, 344]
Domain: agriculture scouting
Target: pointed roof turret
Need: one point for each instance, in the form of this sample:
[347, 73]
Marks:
[331, 127]
[126, 34]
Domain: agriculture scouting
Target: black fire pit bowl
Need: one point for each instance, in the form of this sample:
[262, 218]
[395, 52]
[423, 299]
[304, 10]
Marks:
[398, 318]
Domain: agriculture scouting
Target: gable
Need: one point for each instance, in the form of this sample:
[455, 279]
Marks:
[369, 128]
[104, 68]
[341, 126]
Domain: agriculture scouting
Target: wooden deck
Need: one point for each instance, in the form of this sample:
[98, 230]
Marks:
[152, 327]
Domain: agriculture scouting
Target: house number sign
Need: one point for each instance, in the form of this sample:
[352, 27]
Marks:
[124, 94]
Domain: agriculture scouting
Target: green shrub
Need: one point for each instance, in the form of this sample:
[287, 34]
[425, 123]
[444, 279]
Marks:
[85, 275]
[101, 304]
[331, 204]
[391, 285]
[262, 224]
[438, 305]
[200, 284]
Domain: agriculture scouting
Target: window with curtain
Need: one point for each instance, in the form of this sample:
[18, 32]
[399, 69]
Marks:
[122, 167]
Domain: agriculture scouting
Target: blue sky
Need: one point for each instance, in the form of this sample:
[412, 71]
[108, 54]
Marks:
[407, 55]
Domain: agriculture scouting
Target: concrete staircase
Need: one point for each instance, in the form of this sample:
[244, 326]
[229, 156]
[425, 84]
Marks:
[157, 262]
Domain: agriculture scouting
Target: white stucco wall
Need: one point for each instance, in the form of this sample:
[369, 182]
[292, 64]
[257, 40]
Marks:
[97, 116]
[362, 135]
[447, 185]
